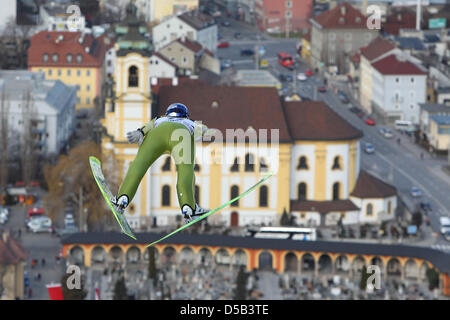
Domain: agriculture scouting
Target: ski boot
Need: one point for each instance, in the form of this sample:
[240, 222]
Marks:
[191, 216]
[120, 203]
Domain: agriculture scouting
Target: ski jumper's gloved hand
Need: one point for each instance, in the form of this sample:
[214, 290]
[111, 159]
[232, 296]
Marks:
[136, 136]
[201, 131]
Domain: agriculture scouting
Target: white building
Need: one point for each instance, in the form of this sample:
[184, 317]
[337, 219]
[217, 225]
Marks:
[52, 107]
[161, 67]
[398, 86]
[194, 25]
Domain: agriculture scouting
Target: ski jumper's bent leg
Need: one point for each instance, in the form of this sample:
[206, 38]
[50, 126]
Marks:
[153, 146]
[182, 148]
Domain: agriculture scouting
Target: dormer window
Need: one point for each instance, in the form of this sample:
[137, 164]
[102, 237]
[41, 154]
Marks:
[79, 58]
[69, 57]
[45, 57]
[55, 57]
[358, 19]
[214, 104]
[341, 20]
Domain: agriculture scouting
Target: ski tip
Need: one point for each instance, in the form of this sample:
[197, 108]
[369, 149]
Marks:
[92, 158]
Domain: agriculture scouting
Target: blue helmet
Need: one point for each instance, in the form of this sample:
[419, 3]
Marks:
[177, 110]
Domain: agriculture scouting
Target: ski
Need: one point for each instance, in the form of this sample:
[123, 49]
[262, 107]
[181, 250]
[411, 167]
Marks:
[263, 179]
[97, 172]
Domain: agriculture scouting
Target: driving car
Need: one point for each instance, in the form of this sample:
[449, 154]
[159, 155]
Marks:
[225, 64]
[425, 205]
[237, 35]
[247, 52]
[369, 148]
[301, 77]
[309, 73]
[387, 133]
[355, 110]
[69, 219]
[223, 44]
[416, 192]
[322, 89]
[286, 77]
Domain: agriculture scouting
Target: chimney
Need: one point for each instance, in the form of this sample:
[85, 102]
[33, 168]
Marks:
[174, 81]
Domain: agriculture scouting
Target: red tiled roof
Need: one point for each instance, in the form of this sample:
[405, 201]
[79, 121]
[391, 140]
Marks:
[193, 45]
[376, 48]
[159, 55]
[314, 120]
[323, 206]
[397, 21]
[196, 19]
[47, 42]
[238, 107]
[368, 187]
[390, 65]
[342, 16]
[168, 82]
[11, 252]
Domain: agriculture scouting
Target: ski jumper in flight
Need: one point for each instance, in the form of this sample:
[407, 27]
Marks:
[173, 134]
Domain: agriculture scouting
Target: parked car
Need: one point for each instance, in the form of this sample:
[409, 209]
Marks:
[361, 114]
[369, 148]
[247, 52]
[322, 89]
[301, 77]
[369, 121]
[355, 110]
[416, 192]
[425, 205]
[387, 133]
[223, 44]
[286, 77]
[309, 73]
[237, 35]
[343, 97]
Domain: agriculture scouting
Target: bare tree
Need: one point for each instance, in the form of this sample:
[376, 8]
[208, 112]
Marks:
[28, 143]
[4, 139]
[71, 183]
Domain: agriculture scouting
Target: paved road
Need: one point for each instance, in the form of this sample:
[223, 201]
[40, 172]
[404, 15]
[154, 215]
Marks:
[399, 165]
[38, 246]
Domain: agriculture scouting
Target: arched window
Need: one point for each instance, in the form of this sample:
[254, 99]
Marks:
[197, 194]
[262, 165]
[235, 166]
[133, 79]
[263, 195]
[302, 163]
[166, 196]
[337, 163]
[302, 188]
[336, 190]
[249, 162]
[369, 209]
[166, 166]
[234, 193]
